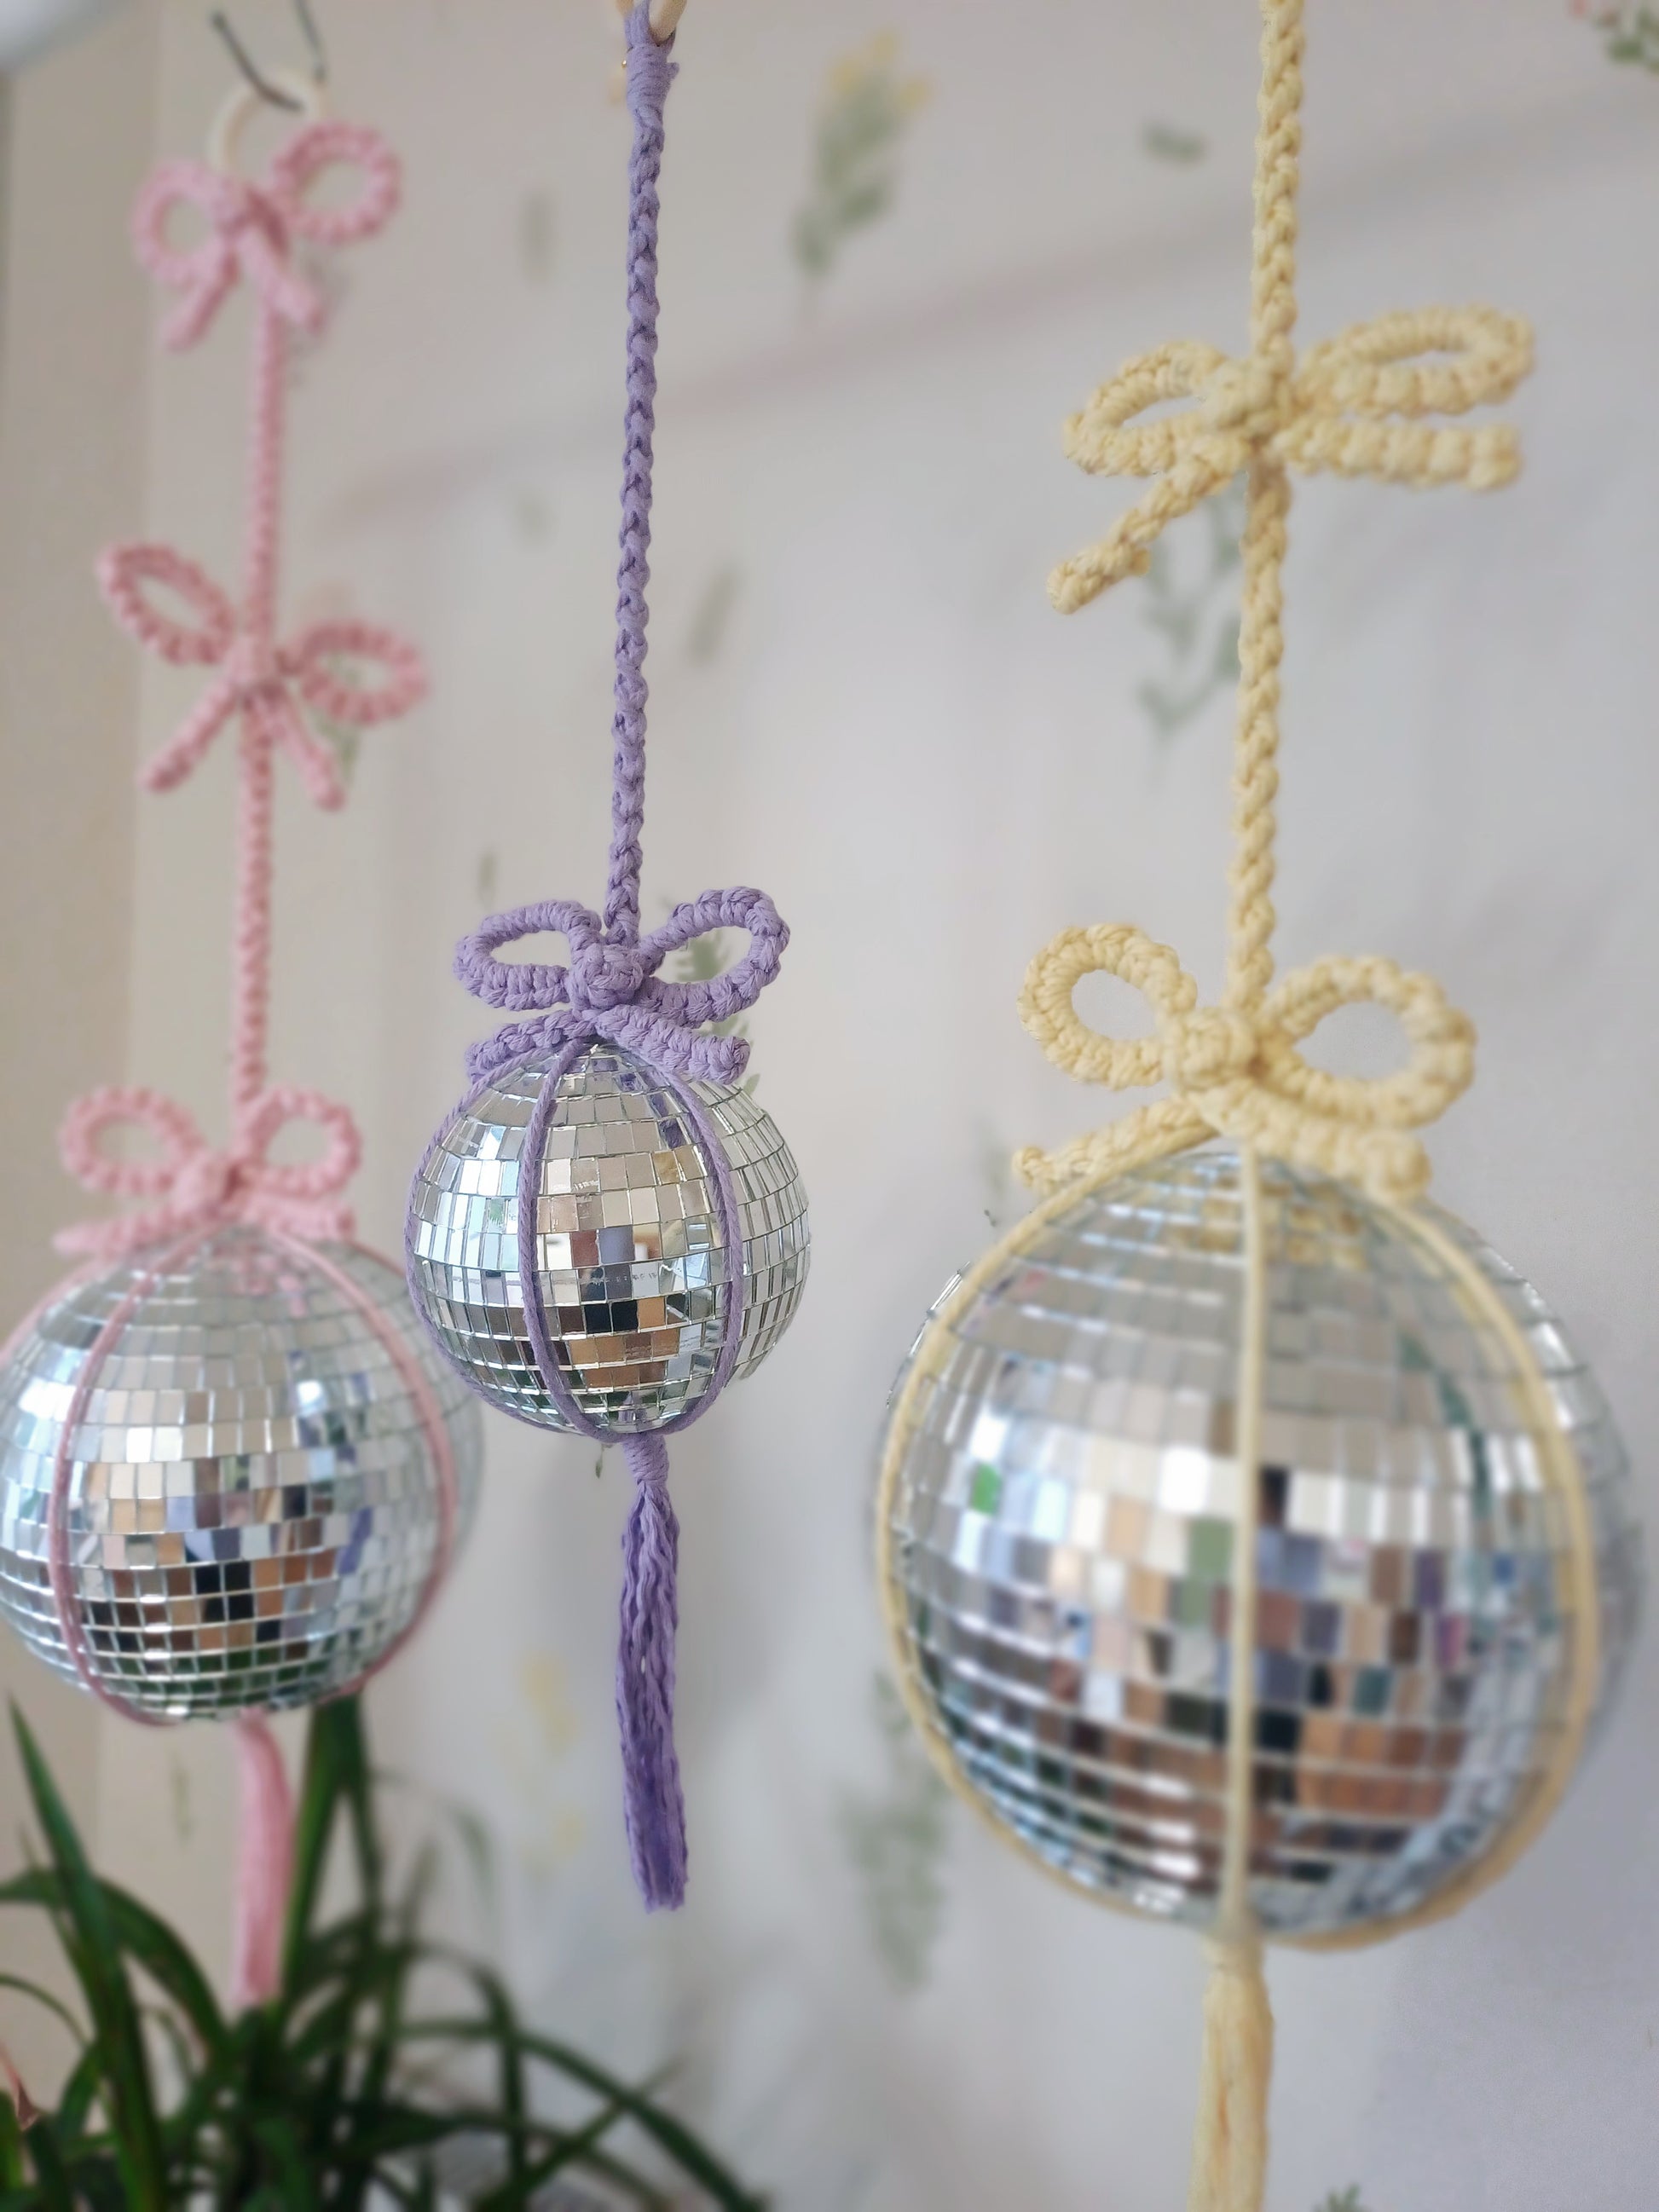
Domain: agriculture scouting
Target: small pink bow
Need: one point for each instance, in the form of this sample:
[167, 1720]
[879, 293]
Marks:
[197, 1188]
[251, 227]
[258, 683]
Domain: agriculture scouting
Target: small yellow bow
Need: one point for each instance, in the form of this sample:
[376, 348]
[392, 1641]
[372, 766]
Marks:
[1240, 1075]
[1353, 406]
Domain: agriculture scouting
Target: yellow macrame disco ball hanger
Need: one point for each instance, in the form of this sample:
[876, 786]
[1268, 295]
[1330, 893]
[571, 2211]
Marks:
[1257, 1551]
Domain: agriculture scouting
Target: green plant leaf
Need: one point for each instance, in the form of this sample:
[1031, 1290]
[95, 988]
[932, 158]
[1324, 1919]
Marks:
[45, 1997]
[313, 1831]
[95, 1952]
[518, 2194]
[329, 2098]
[277, 2139]
[139, 1935]
[669, 2134]
[79, 2093]
[12, 2175]
[510, 2071]
[52, 2174]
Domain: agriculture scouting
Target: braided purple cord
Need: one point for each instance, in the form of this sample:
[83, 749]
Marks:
[610, 991]
[613, 992]
[649, 74]
[653, 1807]
[526, 1231]
[611, 988]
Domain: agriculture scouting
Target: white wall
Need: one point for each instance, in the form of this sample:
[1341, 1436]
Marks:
[931, 773]
[72, 442]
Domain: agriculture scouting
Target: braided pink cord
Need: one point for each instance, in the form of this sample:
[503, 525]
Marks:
[60, 1565]
[195, 1187]
[252, 230]
[270, 687]
[264, 1862]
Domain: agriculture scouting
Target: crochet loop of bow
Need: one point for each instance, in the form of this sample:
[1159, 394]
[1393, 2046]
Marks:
[1351, 406]
[252, 680]
[195, 1189]
[610, 989]
[1238, 1074]
[251, 227]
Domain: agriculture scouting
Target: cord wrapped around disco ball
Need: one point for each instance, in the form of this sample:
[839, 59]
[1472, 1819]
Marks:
[622, 1190]
[1434, 1597]
[232, 1473]
[254, 1509]
[1257, 1553]
[609, 1229]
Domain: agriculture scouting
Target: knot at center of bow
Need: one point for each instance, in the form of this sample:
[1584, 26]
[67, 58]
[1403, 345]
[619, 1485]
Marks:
[1356, 405]
[610, 991]
[1213, 1045]
[1247, 398]
[1237, 1073]
[604, 975]
[195, 1190]
[254, 673]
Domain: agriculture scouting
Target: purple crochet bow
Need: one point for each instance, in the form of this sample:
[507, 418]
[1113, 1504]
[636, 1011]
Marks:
[611, 988]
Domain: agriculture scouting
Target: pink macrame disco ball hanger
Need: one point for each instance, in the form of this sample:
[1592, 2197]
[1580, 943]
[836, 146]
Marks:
[610, 1228]
[232, 1472]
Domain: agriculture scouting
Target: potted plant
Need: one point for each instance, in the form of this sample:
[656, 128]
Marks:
[357, 2086]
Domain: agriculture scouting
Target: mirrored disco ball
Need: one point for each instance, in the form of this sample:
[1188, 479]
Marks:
[630, 1259]
[1063, 1528]
[253, 1504]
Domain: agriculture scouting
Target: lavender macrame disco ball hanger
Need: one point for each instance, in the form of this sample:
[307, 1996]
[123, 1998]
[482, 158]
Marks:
[608, 1228]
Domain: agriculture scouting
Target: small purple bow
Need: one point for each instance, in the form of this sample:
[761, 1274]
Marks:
[610, 989]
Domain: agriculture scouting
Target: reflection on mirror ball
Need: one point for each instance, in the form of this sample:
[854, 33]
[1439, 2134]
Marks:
[253, 1507]
[1061, 1522]
[631, 1260]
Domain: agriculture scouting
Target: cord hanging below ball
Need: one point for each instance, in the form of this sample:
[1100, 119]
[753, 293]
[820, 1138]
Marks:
[609, 1229]
[297, 1464]
[1257, 1553]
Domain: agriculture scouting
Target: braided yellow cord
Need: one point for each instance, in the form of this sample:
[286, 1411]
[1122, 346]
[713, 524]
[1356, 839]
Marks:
[1237, 1073]
[1353, 406]
[1483, 1304]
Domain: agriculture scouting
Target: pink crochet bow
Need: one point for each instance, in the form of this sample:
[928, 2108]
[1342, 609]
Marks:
[254, 679]
[197, 1188]
[252, 228]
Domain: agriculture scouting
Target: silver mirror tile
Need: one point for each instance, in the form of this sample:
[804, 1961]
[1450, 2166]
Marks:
[630, 1259]
[253, 1504]
[1063, 1536]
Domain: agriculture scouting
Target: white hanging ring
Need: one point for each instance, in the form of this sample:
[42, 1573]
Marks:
[242, 102]
[664, 16]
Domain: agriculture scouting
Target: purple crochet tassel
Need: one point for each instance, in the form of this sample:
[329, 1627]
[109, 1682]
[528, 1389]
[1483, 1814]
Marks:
[611, 990]
[651, 1803]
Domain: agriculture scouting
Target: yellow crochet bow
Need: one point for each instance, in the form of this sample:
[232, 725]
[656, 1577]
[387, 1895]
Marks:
[1238, 1074]
[1353, 406]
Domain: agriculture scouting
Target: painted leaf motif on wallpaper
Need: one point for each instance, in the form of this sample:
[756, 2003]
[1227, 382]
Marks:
[1633, 34]
[535, 1737]
[1193, 614]
[861, 126]
[538, 234]
[712, 619]
[1169, 142]
[897, 1843]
